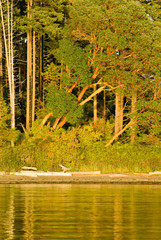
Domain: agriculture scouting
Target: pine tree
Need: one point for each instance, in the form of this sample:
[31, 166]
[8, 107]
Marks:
[118, 45]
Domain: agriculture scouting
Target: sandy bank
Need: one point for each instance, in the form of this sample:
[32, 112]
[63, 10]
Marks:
[83, 179]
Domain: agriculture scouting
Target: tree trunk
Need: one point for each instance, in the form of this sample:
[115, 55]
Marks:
[34, 77]
[1, 66]
[95, 105]
[104, 112]
[29, 75]
[1, 71]
[12, 70]
[118, 112]
[45, 119]
[104, 106]
[8, 42]
[20, 83]
[41, 90]
[82, 93]
[63, 121]
[133, 110]
[41, 62]
[56, 122]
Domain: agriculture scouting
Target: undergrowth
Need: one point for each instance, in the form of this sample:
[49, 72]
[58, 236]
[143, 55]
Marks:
[80, 149]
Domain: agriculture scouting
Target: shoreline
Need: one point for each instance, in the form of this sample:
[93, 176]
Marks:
[83, 179]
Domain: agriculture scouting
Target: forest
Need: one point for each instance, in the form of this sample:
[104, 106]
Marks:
[80, 85]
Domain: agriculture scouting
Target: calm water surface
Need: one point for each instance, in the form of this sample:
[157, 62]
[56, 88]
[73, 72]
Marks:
[114, 212]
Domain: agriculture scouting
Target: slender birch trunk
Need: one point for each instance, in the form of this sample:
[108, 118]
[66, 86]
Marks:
[8, 42]
[12, 70]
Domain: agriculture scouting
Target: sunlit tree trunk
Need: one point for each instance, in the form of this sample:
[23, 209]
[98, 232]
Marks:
[104, 105]
[95, 105]
[133, 110]
[41, 87]
[12, 69]
[19, 73]
[104, 111]
[118, 112]
[1, 66]
[29, 73]
[34, 77]
[1, 69]
[41, 61]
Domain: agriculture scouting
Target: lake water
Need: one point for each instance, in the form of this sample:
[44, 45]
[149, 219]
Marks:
[114, 212]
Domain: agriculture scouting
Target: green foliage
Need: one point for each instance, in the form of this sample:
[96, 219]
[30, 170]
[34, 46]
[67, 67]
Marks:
[4, 114]
[117, 42]
[9, 159]
[63, 103]
[80, 149]
[73, 56]
[6, 134]
[45, 18]
[51, 75]
[150, 119]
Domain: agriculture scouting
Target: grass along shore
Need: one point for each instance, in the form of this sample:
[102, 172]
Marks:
[118, 158]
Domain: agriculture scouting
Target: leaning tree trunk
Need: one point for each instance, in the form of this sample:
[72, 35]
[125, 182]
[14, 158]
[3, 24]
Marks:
[118, 112]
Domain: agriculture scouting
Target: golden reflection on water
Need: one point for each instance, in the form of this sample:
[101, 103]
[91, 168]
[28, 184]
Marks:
[9, 219]
[114, 212]
[118, 214]
[28, 216]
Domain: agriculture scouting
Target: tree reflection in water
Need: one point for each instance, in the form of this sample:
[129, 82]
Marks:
[115, 212]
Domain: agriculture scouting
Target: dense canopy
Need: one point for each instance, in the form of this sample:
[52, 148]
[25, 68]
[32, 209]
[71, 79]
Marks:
[77, 76]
